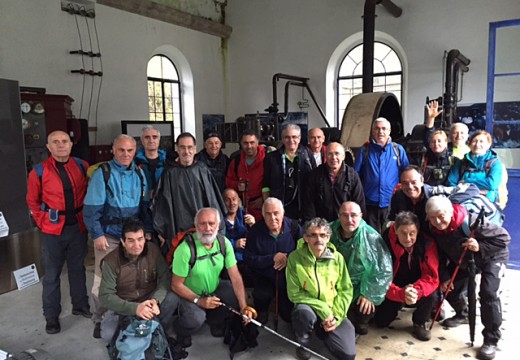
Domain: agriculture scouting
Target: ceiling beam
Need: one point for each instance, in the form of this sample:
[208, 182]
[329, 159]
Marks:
[170, 15]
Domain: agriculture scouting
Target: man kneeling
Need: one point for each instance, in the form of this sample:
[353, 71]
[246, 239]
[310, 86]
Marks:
[319, 285]
[135, 281]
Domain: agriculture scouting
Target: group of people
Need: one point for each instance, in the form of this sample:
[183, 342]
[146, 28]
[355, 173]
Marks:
[336, 247]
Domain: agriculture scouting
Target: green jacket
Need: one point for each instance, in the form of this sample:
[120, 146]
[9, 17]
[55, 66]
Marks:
[368, 260]
[323, 283]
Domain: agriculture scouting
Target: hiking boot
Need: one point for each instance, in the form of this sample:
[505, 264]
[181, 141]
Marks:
[302, 354]
[455, 321]
[487, 352]
[52, 326]
[97, 331]
[84, 311]
[217, 331]
[361, 328]
[442, 315]
[420, 332]
[184, 341]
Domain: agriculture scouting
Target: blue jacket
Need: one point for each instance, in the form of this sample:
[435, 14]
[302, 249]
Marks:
[105, 214]
[237, 231]
[141, 161]
[262, 246]
[380, 174]
[475, 173]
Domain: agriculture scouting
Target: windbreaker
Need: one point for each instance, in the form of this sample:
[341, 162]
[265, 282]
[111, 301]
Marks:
[323, 284]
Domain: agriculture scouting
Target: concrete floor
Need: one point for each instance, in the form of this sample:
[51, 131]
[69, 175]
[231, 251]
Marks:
[22, 326]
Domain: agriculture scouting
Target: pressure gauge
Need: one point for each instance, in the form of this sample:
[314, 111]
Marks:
[25, 107]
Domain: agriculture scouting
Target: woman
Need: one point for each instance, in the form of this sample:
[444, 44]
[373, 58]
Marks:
[436, 162]
[480, 166]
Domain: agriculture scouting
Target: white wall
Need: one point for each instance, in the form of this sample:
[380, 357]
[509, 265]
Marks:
[298, 37]
[37, 36]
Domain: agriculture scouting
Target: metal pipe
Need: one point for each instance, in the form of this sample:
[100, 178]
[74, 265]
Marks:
[369, 21]
[456, 63]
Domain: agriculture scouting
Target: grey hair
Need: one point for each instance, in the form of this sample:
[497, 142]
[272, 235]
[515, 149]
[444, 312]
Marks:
[292, 127]
[272, 201]
[124, 137]
[148, 128]
[381, 119]
[406, 218]
[459, 124]
[317, 222]
[217, 214]
[439, 203]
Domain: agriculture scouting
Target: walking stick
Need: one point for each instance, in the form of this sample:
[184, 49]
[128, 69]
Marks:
[459, 263]
[259, 324]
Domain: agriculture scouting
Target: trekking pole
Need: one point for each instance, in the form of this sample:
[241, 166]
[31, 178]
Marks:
[259, 324]
[459, 263]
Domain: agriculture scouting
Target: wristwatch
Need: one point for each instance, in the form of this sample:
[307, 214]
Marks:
[196, 300]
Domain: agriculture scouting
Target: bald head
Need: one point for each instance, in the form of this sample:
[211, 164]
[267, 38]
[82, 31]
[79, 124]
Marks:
[316, 137]
[59, 145]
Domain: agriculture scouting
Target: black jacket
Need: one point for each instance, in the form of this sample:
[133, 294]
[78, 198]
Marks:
[324, 200]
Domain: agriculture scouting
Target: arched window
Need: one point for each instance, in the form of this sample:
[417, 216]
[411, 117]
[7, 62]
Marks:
[388, 75]
[164, 92]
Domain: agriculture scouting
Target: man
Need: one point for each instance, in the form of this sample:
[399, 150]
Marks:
[185, 187]
[135, 280]
[150, 158]
[55, 193]
[246, 172]
[285, 171]
[412, 196]
[368, 262]
[488, 247]
[200, 290]
[316, 147]
[330, 185]
[214, 158]
[458, 131]
[378, 165]
[323, 309]
[117, 191]
[269, 243]
[415, 274]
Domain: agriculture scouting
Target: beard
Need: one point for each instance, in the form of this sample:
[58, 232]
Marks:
[206, 239]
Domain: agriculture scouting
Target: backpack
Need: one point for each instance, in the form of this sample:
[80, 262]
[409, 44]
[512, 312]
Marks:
[503, 193]
[473, 202]
[395, 147]
[38, 169]
[105, 168]
[138, 339]
[188, 237]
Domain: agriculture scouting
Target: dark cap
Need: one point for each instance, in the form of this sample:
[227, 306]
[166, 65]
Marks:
[211, 134]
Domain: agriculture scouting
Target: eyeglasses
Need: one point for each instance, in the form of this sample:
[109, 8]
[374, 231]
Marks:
[320, 235]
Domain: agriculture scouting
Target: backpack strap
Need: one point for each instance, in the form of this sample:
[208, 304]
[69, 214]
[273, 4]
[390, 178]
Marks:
[193, 250]
[397, 152]
[105, 168]
[80, 164]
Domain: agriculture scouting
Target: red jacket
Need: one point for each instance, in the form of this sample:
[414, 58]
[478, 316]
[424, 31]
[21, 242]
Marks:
[253, 173]
[50, 192]
[429, 265]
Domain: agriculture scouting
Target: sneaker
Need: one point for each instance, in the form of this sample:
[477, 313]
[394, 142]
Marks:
[302, 354]
[455, 321]
[420, 332]
[84, 311]
[487, 352]
[52, 326]
[97, 331]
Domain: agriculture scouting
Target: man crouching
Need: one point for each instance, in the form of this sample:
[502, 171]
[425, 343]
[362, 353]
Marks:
[319, 285]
